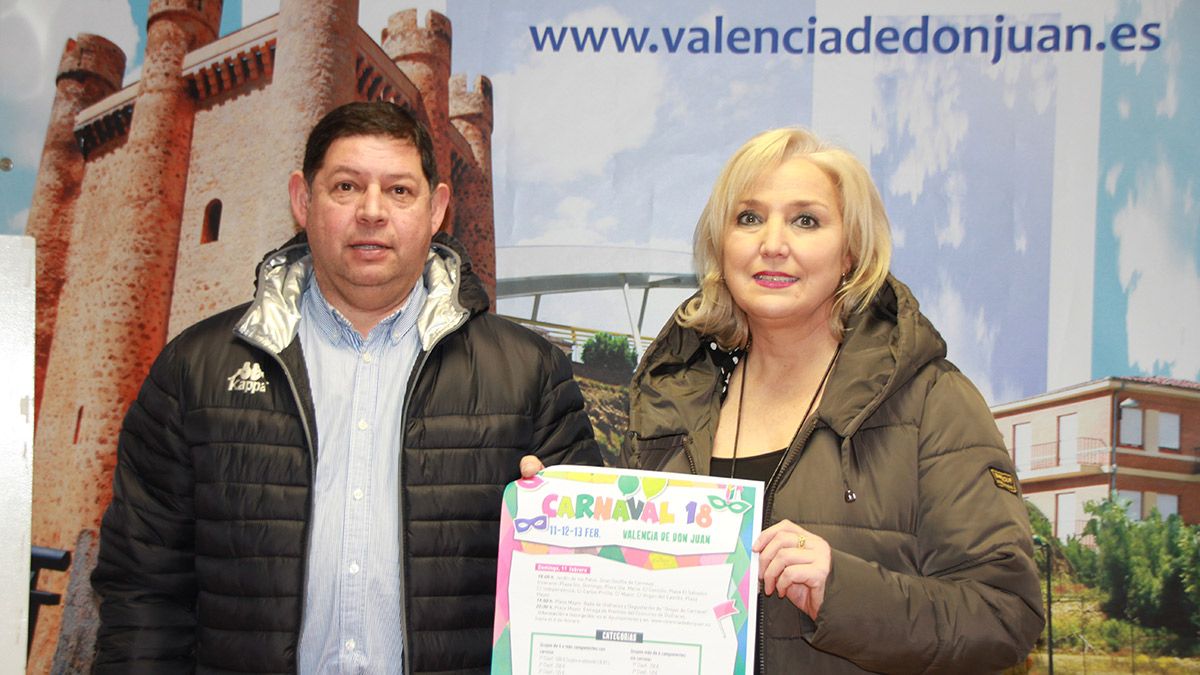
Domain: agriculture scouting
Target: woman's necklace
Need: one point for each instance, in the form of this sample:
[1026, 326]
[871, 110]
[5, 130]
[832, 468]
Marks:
[737, 427]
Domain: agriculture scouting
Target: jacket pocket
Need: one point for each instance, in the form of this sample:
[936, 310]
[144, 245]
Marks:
[655, 454]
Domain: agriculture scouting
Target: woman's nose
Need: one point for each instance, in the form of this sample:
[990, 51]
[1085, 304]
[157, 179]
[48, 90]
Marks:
[774, 239]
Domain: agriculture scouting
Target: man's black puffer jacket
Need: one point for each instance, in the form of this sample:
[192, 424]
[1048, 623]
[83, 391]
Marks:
[203, 549]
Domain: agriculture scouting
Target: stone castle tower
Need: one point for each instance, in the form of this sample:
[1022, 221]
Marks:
[155, 201]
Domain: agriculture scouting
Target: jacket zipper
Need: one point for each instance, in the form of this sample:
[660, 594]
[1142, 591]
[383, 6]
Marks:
[418, 367]
[406, 650]
[768, 504]
[687, 453]
[312, 482]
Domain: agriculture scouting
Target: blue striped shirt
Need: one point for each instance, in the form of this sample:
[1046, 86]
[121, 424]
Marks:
[352, 598]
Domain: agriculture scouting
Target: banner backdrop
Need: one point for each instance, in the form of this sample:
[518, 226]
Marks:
[1038, 159]
[1039, 162]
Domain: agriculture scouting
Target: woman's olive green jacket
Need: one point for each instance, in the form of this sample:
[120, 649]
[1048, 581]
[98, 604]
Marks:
[902, 470]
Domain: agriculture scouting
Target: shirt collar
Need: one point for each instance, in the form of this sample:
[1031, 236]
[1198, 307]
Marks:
[338, 330]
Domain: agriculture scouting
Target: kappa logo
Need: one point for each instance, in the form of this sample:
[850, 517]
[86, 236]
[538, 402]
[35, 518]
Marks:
[249, 379]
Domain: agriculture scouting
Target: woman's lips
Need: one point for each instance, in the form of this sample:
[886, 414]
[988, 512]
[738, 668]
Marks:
[774, 279]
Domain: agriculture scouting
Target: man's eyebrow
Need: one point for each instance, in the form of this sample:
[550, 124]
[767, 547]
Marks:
[347, 169]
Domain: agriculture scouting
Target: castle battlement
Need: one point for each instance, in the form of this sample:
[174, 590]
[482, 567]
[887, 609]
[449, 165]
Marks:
[378, 78]
[474, 104]
[233, 71]
[404, 38]
[90, 55]
[201, 19]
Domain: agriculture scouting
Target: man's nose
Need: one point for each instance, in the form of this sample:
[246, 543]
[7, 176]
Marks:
[370, 206]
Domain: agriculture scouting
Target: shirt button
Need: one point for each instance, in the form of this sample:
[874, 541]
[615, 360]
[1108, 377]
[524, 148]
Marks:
[366, 357]
[362, 424]
[353, 568]
[350, 645]
[358, 494]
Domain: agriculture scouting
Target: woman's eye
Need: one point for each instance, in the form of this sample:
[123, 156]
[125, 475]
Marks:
[806, 221]
[748, 218]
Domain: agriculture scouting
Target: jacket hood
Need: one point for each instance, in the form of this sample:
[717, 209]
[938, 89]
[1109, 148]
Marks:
[455, 293]
[884, 347]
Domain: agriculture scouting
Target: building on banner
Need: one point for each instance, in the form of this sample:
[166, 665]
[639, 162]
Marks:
[156, 198]
[1135, 437]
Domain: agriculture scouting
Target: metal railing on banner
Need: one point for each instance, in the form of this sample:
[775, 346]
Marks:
[1080, 452]
[569, 338]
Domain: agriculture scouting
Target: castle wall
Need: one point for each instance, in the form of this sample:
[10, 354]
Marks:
[90, 69]
[245, 145]
[314, 74]
[84, 403]
[471, 117]
[234, 160]
[124, 281]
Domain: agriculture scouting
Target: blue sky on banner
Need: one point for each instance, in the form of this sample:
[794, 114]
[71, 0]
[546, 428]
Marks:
[617, 149]
[962, 150]
[1148, 221]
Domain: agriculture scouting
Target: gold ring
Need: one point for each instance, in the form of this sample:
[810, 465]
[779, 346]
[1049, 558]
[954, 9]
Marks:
[800, 541]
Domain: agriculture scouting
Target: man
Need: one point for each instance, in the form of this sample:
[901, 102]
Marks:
[312, 482]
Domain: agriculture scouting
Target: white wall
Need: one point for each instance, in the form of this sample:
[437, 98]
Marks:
[16, 444]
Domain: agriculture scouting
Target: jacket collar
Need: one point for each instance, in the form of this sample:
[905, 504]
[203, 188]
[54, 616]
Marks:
[677, 385]
[272, 319]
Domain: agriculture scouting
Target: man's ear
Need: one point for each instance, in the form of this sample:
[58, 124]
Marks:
[439, 200]
[299, 196]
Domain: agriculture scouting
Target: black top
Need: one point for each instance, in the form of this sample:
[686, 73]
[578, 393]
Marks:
[758, 467]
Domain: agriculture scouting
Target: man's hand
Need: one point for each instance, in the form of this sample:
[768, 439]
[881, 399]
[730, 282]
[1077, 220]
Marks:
[530, 465]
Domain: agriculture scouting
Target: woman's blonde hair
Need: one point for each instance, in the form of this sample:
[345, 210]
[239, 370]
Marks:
[868, 234]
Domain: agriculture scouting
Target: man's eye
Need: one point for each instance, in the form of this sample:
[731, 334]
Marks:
[401, 191]
[748, 218]
[344, 186]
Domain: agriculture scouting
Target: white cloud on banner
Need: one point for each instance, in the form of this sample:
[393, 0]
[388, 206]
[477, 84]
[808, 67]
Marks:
[1156, 235]
[1150, 11]
[571, 225]
[563, 115]
[1161, 12]
[1111, 177]
[954, 231]
[16, 224]
[1168, 105]
[924, 112]
[1034, 79]
[35, 32]
[971, 339]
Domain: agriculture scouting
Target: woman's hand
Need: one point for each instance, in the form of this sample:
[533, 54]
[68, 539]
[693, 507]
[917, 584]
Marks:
[794, 562]
[530, 465]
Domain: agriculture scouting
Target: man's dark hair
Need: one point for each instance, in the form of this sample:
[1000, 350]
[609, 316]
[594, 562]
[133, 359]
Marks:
[376, 118]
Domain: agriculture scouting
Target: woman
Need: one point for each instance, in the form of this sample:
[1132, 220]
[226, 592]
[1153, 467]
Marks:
[895, 539]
